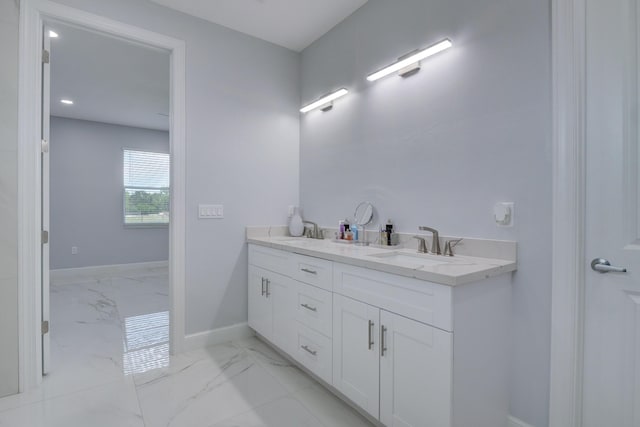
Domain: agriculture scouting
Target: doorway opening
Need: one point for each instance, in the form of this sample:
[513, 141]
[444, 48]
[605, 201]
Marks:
[33, 268]
[106, 205]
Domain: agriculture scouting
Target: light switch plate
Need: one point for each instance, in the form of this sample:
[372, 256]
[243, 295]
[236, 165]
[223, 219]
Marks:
[211, 211]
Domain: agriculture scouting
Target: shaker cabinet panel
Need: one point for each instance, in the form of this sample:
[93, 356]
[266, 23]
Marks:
[272, 306]
[355, 352]
[415, 373]
[259, 305]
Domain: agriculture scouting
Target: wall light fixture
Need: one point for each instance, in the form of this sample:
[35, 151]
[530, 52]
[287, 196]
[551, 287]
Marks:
[325, 103]
[409, 64]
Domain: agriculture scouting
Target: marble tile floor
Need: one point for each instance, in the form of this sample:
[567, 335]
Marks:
[110, 366]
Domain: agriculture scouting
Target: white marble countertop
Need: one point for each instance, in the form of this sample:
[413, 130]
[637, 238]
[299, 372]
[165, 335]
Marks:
[452, 271]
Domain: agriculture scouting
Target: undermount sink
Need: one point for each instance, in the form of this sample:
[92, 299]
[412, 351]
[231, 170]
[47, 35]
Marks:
[408, 260]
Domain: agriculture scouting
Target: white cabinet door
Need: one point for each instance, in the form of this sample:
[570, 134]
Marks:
[356, 352]
[259, 306]
[415, 373]
[281, 294]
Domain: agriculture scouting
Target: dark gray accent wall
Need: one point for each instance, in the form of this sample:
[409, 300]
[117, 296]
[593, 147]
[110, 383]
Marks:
[86, 195]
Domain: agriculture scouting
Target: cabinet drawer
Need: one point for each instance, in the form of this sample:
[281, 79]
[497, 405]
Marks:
[314, 308]
[314, 271]
[423, 301]
[314, 351]
[271, 259]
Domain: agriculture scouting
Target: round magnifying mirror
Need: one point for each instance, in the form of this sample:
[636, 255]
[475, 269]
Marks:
[363, 214]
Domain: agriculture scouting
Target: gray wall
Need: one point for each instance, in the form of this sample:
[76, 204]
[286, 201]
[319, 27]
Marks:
[8, 197]
[442, 147]
[86, 195]
[242, 148]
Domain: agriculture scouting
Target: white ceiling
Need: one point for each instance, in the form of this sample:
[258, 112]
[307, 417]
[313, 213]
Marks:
[294, 24]
[110, 80]
[115, 81]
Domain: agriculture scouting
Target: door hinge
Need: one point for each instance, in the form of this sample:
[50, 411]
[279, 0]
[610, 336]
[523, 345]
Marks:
[45, 327]
[45, 237]
[45, 146]
[45, 56]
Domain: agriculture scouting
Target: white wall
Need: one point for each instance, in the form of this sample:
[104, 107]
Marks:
[472, 128]
[8, 198]
[86, 195]
[242, 148]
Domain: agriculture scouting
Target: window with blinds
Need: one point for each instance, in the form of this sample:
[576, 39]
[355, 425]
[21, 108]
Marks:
[146, 188]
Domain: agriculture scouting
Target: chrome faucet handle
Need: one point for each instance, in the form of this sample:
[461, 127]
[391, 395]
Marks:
[316, 233]
[422, 245]
[449, 245]
[435, 246]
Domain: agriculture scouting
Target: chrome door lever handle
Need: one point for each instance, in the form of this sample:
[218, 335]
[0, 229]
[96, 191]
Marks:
[603, 266]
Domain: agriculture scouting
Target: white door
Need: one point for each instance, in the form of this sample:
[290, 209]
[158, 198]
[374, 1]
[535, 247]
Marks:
[356, 360]
[611, 388]
[46, 85]
[415, 373]
[259, 306]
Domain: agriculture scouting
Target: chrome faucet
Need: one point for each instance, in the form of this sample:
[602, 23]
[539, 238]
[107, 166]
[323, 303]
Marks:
[449, 245]
[316, 232]
[435, 246]
[422, 245]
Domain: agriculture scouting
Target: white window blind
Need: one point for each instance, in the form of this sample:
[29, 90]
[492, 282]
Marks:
[146, 187]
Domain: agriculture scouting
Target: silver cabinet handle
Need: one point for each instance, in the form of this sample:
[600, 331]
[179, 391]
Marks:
[308, 307]
[263, 286]
[383, 344]
[268, 282]
[308, 350]
[306, 270]
[603, 266]
[371, 335]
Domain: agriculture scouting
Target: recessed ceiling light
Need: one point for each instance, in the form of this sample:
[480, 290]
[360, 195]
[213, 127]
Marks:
[53, 34]
[66, 101]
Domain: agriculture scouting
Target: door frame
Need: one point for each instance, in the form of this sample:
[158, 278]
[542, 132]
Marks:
[33, 13]
[569, 196]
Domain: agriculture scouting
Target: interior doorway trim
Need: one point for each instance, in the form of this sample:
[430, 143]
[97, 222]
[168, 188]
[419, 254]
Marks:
[569, 195]
[32, 15]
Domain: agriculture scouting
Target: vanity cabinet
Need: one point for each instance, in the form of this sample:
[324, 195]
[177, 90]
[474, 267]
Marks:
[397, 369]
[409, 352]
[356, 350]
[271, 306]
[415, 373]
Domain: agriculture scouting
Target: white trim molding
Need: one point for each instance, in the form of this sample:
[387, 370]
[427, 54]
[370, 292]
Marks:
[33, 13]
[569, 183]
[66, 275]
[217, 336]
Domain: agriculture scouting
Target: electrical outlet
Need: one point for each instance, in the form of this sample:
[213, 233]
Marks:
[503, 214]
[74, 250]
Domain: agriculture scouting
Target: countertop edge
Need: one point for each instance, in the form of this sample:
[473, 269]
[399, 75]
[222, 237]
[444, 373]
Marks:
[429, 276]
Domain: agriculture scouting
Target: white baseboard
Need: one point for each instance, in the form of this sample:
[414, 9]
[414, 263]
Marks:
[63, 275]
[514, 422]
[217, 336]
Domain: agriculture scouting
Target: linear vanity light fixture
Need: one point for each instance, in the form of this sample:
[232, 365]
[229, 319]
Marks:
[409, 64]
[325, 102]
